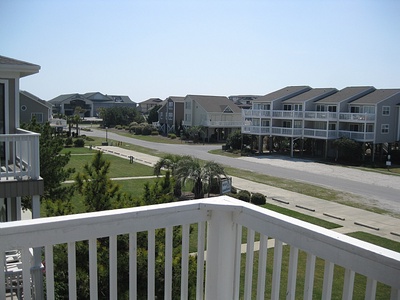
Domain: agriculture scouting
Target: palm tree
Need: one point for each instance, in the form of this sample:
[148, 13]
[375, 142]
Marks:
[170, 163]
[190, 169]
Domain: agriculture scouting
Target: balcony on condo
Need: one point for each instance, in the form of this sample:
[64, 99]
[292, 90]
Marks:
[242, 251]
[19, 155]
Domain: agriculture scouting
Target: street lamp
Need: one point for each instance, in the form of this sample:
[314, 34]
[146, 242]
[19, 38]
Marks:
[106, 135]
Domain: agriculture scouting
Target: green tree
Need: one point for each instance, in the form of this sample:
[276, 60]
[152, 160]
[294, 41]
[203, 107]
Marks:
[52, 169]
[95, 186]
[234, 140]
[170, 163]
[113, 116]
[347, 150]
[153, 114]
[190, 169]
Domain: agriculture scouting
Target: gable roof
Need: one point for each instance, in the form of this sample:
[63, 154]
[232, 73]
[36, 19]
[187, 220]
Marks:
[347, 94]
[91, 97]
[8, 64]
[283, 94]
[215, 103]
[176, 99]
[376, 96]
[311, 95]
[36, 99]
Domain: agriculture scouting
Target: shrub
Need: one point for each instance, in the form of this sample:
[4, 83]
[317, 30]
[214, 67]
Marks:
[244, 195]
[68, 142]
[257, 199]
[154, 132]
[172, 135]
[119, 127]
[79, 143]
[138, 130]
[147, 130]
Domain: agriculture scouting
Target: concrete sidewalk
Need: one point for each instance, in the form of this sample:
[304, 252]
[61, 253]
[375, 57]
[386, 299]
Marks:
[352, 219]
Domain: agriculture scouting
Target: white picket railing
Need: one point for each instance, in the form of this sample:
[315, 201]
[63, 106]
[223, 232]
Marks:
[220, 222]
[19, 155]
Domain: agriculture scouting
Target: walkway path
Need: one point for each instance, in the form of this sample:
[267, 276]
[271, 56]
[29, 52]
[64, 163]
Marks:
[352, 219]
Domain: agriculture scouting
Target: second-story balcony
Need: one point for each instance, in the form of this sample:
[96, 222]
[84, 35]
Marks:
[357, 135]
[242, 252]
[19, 155]
[356, 117]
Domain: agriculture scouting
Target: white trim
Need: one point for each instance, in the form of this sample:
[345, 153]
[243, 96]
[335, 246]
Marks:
[6, 106]
[16, 111]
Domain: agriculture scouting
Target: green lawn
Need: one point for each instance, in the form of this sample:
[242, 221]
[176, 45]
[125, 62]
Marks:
[119, 167]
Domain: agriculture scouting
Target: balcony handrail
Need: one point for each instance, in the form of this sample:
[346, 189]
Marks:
[225, 216]
[21, 155]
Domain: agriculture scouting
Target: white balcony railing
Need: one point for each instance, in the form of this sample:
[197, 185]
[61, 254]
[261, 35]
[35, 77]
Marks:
[320, 133]
[222, 123]
[256, 113]
[219, 269]
[320, 115]
[357, 136]
[19, 155]
[249, 129]
[354, 117]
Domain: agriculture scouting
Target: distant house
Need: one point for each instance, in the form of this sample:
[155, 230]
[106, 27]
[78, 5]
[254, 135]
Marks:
[171, 114]
[145, 106]
[218, 115]
[32, 106]
[91, 103]
[243, 101]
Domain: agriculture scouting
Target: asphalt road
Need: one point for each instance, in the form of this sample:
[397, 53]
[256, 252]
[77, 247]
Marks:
[377, 189]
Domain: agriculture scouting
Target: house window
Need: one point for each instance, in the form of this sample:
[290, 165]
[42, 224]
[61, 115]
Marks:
[256, 122]
[298, 124]
[266, 106]
[332, 108]
[298, 107]
[369, 109]
[331, 126]
[354, 127]
[265, 122]
[170, 104]
[287, 124]
[188, 105]
[170, 116]
[385, 110]
[24, 108]
[188, 117]
[37, 116]
[287, 107]
[355, 109]
[320, 107]
[369, 128]
[385, 128]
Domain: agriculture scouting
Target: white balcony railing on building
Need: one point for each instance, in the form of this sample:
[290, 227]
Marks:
[320, 133]
[262, 130]
[356, 117]
[219, 269]
[256, 113]
[287, 114]
[19, 155]
[357, 136]
[222, 123]
[320, 115]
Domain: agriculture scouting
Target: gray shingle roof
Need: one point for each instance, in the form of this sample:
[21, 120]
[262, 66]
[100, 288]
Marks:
[312, 95]
[35, 98]
[215, 103]
[347, 94]
[283, 94]
[23, 67]
[377, 96]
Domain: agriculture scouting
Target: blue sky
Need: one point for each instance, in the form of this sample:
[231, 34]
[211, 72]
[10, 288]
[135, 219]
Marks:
[147, 49]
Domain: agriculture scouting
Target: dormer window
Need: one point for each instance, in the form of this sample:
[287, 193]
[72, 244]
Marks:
[228, 110]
